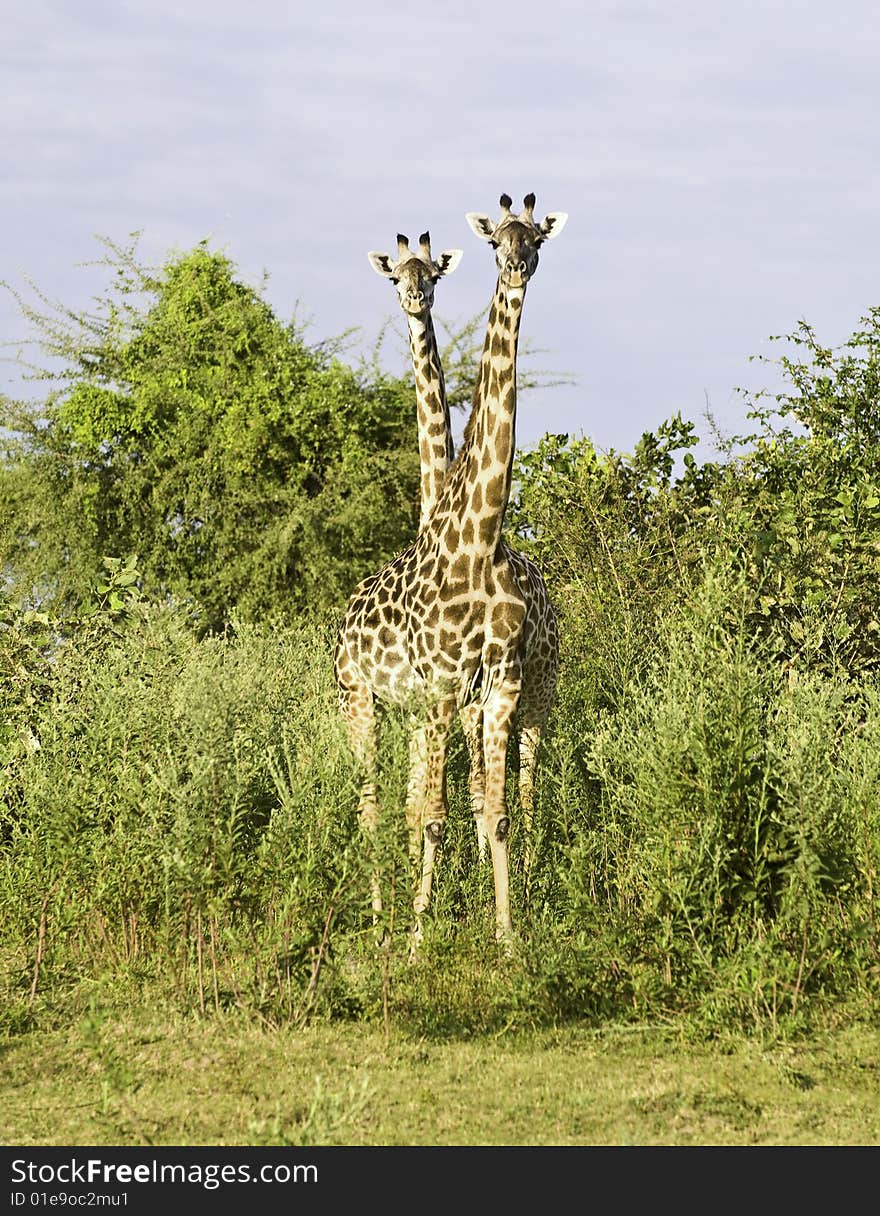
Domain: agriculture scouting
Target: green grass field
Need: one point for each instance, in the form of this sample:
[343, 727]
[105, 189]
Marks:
[143, 1078]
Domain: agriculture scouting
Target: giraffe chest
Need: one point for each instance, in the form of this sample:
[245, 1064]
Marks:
[465, 618]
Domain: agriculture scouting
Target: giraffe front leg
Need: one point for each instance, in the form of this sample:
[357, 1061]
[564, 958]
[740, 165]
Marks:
[358, 710]
[434, 804]
[498, 715]
[416, 787]
[472, 725]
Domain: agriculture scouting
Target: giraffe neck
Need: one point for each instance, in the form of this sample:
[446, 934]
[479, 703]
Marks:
[481, 487]
[434, 427]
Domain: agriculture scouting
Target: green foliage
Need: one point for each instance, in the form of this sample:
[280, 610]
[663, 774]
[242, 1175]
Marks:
[161, 807]
[180, 812]
[178, 804]
[795, 506]
[812, 498]
[248, 471]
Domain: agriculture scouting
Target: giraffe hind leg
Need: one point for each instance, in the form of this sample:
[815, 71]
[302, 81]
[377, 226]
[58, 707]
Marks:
[539, 688]
[529, 739]
[434, 804]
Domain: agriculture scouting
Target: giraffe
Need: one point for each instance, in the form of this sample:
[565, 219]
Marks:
[414, 276]
[446, 622]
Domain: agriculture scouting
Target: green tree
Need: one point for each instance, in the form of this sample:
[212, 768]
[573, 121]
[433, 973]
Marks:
[186, 424]
[793, 506]
[805, 500]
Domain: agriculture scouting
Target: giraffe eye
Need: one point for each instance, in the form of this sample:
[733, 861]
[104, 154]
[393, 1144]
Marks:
[395, 280]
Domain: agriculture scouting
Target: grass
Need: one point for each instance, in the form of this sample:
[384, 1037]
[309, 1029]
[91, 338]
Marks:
[160, 1079]
[187, 955]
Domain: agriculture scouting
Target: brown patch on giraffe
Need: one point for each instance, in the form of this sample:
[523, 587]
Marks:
[457, 614]
[505, 619]
[495, 491]
[467, 532]
[507, 580]
[460, 569]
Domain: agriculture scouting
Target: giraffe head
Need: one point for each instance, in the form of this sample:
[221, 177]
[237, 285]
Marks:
[516, 239]
[415, 274]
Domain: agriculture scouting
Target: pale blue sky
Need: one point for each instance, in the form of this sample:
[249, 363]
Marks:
[720, 165]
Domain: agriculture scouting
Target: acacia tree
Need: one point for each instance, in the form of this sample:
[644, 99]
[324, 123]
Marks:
[186, 424]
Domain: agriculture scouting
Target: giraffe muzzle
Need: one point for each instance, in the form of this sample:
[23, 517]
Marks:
[516, 274]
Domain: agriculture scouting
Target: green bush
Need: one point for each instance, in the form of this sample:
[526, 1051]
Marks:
[250, 472]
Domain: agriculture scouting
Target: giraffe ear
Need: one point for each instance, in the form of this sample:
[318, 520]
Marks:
[382, 264]
[448, 261]
[481, 224]
[552, 224]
